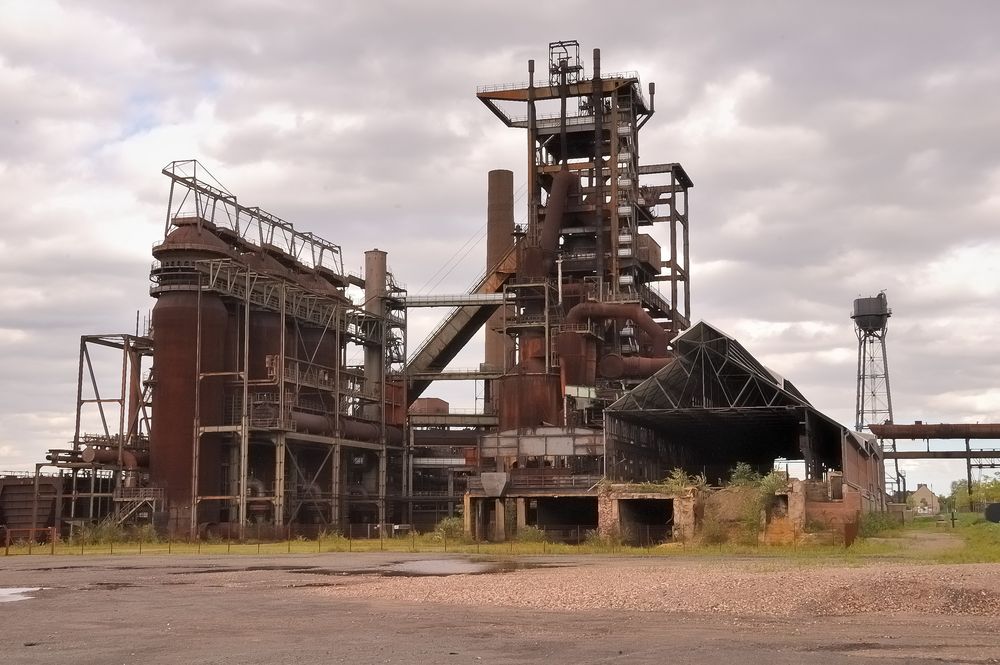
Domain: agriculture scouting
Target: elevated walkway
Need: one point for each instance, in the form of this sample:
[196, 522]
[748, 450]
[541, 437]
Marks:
[458, 327]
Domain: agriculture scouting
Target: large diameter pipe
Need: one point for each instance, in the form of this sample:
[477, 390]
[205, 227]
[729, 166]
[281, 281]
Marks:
[132, 459]
[619, 312]
[614, 366]
[313, 423]
[938, 431]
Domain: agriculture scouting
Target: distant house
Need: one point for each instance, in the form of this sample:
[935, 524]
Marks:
[924, 501]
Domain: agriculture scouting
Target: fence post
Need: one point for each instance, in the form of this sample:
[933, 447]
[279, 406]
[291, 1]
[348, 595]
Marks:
[31, 539]
[140, 545]
[288, 538]
[319, 541]
[169, 546]
[413, 540]
[445, 542]
[6, 542]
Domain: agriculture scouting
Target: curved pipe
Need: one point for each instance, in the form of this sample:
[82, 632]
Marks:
[619, 312]
[615, 366]
[132, 459]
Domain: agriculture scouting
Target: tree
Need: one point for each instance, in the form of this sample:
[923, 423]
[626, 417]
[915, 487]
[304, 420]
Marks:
[984, 491]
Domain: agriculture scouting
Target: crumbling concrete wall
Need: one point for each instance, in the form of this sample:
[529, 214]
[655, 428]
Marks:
[686, 509]
[834, 514]
[786, 522]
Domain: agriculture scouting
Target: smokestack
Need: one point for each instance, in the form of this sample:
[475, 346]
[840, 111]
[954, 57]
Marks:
[499, 239]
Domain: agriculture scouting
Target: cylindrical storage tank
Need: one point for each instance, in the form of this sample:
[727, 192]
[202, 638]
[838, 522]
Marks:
[871, 314]
[175, 365]
[264, 343]
[576, 359]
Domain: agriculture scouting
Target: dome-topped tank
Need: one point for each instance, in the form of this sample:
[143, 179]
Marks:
[190, 241]
[190, 238]
[871, 314]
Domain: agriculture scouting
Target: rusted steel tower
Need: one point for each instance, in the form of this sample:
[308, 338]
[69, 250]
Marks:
[588, 312]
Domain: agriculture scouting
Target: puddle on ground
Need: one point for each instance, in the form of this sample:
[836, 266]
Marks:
[418, 568]
[430, 568]
[112, 586]
[11, 594]
[442, 567]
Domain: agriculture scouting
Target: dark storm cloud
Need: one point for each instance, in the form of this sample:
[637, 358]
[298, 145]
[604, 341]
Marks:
[837, 149]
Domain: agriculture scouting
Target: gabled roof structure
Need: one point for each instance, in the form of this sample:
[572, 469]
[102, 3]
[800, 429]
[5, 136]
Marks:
[712, 406]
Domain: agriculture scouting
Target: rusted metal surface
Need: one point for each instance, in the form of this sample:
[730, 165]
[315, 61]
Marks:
[622, 312]
[529, 400]
[615, 366]
[131, 460]
[175, 366]
[937, 431]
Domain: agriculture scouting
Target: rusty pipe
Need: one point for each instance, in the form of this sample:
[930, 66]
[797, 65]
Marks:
[620, 312]
[937, 431]
[359, 430]
[132, 459]
[615, 366]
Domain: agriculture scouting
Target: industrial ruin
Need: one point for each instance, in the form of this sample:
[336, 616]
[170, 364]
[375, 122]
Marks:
[273, 388]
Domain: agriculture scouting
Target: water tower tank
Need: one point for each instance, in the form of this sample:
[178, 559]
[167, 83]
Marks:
[871, 314]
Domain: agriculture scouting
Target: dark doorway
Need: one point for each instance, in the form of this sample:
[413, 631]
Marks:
[646, 522]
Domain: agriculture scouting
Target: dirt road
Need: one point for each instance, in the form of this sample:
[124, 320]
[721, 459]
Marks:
[399, 608]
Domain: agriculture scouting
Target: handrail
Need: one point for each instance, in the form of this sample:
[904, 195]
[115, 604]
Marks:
[480, 282]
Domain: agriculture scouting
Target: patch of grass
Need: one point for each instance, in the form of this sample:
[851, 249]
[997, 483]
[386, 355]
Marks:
[877, 524]
[982, 543]
[531, 534]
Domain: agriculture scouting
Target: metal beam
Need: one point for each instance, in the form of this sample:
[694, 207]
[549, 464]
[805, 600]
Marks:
[937, 431]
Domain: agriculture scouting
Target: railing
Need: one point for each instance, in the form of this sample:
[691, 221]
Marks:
[497, 87]
[479, 283]
[140, 493]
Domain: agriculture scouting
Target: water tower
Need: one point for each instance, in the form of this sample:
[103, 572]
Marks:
[874, 401]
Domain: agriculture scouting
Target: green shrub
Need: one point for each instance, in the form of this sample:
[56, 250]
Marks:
[713, 532]
[531, 534]
[873, 524]
[743, 475]
[450, 528]
[593, 538]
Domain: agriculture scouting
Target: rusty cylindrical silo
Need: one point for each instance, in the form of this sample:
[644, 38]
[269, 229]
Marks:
[175, 366]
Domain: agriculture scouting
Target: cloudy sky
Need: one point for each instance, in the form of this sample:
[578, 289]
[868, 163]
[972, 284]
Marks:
[837, 149]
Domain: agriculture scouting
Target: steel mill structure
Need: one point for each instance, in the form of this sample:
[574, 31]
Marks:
[279, 394]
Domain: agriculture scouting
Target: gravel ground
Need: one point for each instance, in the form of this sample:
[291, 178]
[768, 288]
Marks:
[739, 588]
[362, 609]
